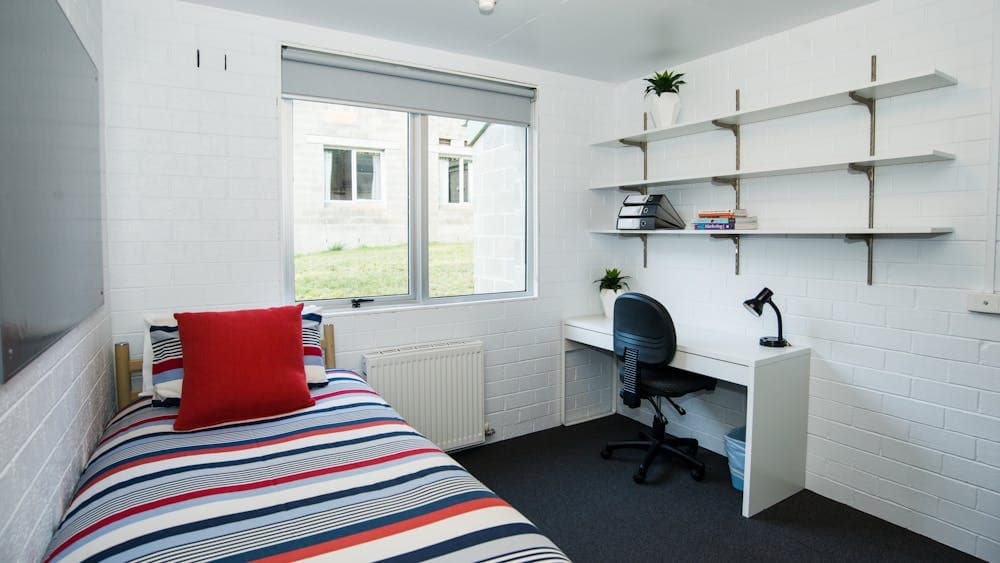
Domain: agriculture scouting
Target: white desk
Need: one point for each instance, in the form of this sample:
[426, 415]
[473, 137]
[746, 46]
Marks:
[777, 382]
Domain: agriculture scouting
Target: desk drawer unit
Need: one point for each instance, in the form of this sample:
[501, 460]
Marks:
[593, 338]
[719, 369]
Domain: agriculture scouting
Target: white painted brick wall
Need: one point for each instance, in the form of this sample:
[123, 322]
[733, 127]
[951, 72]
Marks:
[588, 387]
[195, 206]
[904, 408]
[51, 414]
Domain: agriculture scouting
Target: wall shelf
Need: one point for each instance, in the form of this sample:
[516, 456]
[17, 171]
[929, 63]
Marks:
[864, 234]
[866, 96]
[809, 231]
[727, 176]
[876, 90]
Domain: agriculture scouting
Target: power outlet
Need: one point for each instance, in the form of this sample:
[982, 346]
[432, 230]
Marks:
[984, 302]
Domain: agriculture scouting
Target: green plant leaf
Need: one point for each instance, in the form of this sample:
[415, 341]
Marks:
[613, 279]
[663, 82]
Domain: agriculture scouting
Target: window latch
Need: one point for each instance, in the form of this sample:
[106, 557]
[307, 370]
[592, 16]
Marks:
[356, 302]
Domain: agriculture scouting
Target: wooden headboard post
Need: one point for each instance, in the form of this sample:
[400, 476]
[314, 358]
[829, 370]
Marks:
[125, 366]
[329, 347]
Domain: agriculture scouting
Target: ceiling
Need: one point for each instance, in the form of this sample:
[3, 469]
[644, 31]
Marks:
[610, 40]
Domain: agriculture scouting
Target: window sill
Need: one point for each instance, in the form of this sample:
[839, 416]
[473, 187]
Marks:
[353, 202]
[335, 312]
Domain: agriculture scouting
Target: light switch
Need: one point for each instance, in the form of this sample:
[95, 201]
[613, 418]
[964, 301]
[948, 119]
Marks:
[984, 302]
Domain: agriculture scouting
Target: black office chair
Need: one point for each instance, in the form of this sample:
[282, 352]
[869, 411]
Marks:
[645, 340]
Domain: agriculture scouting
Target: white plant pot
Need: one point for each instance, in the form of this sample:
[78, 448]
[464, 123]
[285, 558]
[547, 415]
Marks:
[662, 109]
[608, 297]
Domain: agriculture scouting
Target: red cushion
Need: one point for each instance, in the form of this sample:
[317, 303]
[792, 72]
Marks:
[240, 365]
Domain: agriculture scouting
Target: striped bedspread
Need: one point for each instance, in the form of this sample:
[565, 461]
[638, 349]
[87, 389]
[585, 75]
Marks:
[347, 480]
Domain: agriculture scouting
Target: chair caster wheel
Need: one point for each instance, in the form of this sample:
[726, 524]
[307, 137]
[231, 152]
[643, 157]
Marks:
[698, 473]
[639, 476]
[606, 453]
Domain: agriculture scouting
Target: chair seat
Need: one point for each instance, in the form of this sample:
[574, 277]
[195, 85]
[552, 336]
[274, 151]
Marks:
[672, 382]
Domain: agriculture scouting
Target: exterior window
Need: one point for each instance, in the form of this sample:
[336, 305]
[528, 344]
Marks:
[352, 174]
[454, 178]
[453, 220]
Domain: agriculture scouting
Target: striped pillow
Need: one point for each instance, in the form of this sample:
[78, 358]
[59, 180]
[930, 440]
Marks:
[168, 363]
[312, 323]
[168, 360]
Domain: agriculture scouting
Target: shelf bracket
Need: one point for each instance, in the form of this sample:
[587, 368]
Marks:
[631, 189]
[731, 182]
[870, 243]
[735, 128]
[869, 171]
[628, 143]
[736, 249]
[645, 245]
[643, 146]
[870, 104]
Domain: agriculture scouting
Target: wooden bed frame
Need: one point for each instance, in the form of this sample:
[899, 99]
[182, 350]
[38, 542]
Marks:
[126, 365]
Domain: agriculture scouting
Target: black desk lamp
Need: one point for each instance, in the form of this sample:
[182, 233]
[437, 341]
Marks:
[756, 306]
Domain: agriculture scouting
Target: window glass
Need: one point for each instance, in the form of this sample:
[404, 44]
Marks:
[481, 247]
[466, 183]
[454, 189]
[338, 172]
[367, 172]
[356, 155]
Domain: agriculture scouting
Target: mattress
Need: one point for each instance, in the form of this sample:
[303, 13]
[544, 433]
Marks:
[347, 479]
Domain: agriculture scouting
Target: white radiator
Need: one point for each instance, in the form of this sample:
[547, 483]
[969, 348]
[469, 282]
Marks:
[438, 388]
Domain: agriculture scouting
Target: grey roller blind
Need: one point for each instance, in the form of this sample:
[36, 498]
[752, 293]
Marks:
[325, 75]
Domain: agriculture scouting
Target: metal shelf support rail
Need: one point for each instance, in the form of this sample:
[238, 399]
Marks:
[644, 147]
[734, 182]
[868, 171]
[736, 249]
[735, 128]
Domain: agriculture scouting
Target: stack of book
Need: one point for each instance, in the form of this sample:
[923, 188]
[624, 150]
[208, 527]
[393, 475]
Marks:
[648, 212]
[724, 220]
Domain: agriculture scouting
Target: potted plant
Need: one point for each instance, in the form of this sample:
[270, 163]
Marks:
[663, 102]
[611, 287]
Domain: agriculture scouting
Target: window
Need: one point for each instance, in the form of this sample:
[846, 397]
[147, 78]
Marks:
[352, 174]
[453, 221]
[453, 174]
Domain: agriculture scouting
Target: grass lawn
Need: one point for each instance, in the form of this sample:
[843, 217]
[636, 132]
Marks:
[381, 270]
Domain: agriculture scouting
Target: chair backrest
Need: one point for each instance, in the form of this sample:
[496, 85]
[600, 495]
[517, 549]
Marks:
[643, 324]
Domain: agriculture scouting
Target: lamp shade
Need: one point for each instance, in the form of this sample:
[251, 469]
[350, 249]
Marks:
[756, 304]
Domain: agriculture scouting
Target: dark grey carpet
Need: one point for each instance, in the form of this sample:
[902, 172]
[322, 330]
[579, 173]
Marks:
[592, 510]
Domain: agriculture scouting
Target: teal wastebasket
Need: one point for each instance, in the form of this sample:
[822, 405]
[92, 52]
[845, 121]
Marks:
[736, 451]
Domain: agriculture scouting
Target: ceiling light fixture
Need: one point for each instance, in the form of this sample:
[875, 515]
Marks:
[486, 6]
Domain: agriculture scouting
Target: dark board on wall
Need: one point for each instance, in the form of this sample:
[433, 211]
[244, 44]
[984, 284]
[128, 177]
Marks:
[51, 273]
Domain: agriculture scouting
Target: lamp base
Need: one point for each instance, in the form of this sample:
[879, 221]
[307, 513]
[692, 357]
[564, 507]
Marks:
[773, 342]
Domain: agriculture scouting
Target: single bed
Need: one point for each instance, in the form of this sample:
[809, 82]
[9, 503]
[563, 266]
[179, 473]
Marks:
[346, 479]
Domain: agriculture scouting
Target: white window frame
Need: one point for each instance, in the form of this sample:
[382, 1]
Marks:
[417, 156]
[376, 181]
[463, 163]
